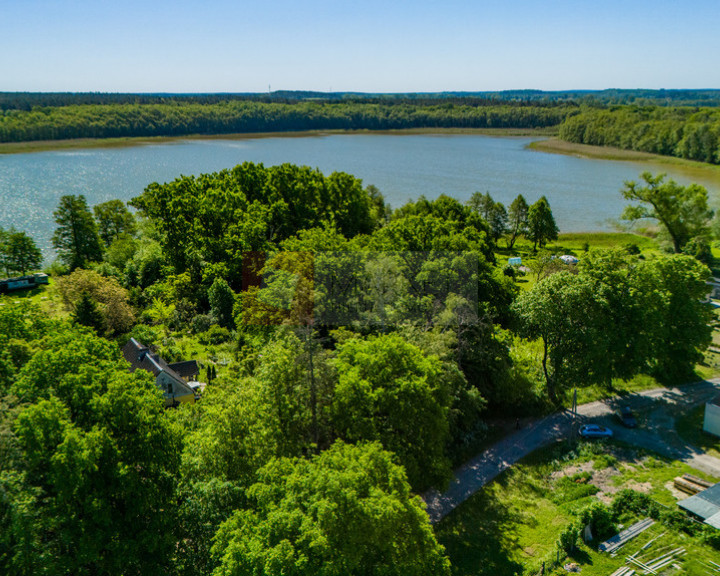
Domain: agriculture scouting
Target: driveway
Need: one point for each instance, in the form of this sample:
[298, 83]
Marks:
[657, 434]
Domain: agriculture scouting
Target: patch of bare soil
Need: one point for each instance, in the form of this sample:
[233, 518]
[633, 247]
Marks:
[677, 494]
[603, 479]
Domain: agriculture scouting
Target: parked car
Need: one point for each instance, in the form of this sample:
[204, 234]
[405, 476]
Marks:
[627, 417]
[595, 431]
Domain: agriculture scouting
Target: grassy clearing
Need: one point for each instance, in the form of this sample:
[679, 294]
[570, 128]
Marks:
[511, 526]
[619, 388]
[46, 297]
[575, 244]
[690, 429]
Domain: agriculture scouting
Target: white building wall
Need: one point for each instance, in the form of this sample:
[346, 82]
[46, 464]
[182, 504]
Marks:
[712, 419]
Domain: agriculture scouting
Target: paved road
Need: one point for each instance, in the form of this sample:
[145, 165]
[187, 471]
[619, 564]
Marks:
[657, 434]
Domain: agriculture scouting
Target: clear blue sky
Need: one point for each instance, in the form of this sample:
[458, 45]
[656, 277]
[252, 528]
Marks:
[364, 45]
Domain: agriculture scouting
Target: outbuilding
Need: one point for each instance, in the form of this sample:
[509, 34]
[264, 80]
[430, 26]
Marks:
[704, 506]
[711, 423]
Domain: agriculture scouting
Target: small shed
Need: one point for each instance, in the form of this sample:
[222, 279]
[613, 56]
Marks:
[711, 423]
[515, 261]
[705, 505]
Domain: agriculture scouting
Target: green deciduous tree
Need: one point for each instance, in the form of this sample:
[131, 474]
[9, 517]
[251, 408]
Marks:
[76, 237]
[106, 292]
[347, 512]
[682, 211]
[222, 300]
[494, 213]
[18, 252]
[88, 475]
[113, 220]
[517, 219]
[386, 387]
[677, 321]
[562, 311]
[541, 227]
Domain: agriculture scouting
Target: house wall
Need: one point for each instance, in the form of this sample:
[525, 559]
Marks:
[711, 423]
[181, 392]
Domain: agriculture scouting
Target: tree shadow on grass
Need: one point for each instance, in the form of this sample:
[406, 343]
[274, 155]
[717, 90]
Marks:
[479, 536]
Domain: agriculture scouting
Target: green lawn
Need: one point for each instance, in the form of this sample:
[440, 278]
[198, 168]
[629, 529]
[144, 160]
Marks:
[511, 526]
[574, 244]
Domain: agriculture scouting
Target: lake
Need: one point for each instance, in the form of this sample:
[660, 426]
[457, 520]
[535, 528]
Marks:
[583, 193]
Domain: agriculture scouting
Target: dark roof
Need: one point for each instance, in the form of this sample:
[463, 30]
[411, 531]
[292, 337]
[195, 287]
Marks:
[716, 401]
[704, 504]
[140, 357]
[186, 369]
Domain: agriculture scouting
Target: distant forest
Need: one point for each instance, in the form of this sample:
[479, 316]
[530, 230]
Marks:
[29, 100]
[682, 123]
[177, 118]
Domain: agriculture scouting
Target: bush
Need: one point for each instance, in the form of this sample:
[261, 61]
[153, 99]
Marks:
[148, 335]
[630, 503]
[510, 271]
[575, 487]
[599, 517]
[202, 323]
[568, 539]
[700, 249]
[215, 335]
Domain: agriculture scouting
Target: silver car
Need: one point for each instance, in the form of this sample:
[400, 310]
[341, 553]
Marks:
[595, 431]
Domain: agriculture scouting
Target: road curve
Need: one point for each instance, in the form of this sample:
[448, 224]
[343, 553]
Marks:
[657, 434]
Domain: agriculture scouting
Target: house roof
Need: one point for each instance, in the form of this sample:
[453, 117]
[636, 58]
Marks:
[186, 369]
[705, 504]
[140, 357]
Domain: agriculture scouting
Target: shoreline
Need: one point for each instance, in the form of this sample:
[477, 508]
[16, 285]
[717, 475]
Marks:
[690, 168]
[129, 141]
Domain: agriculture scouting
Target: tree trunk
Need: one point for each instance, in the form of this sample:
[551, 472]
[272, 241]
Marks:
[549, 381]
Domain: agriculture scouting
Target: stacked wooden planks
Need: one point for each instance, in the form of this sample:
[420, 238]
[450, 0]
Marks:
[625, 536]
[691, 484]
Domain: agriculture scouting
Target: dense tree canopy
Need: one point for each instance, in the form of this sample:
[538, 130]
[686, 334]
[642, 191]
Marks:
[180, 118]
[660, 324]
[690, 133]
[113, 220]
[89, 482]
[348, 511]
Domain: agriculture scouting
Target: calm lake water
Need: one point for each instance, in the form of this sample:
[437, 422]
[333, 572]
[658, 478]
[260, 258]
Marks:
[584, 194]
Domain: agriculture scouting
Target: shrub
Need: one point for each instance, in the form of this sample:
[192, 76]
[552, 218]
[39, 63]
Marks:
[568, 539]
[599, 517]
[148, 335]
[215, 335]
[575, 487]
[202, 323]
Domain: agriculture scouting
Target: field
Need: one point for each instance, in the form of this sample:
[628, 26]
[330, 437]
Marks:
[512, 525]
